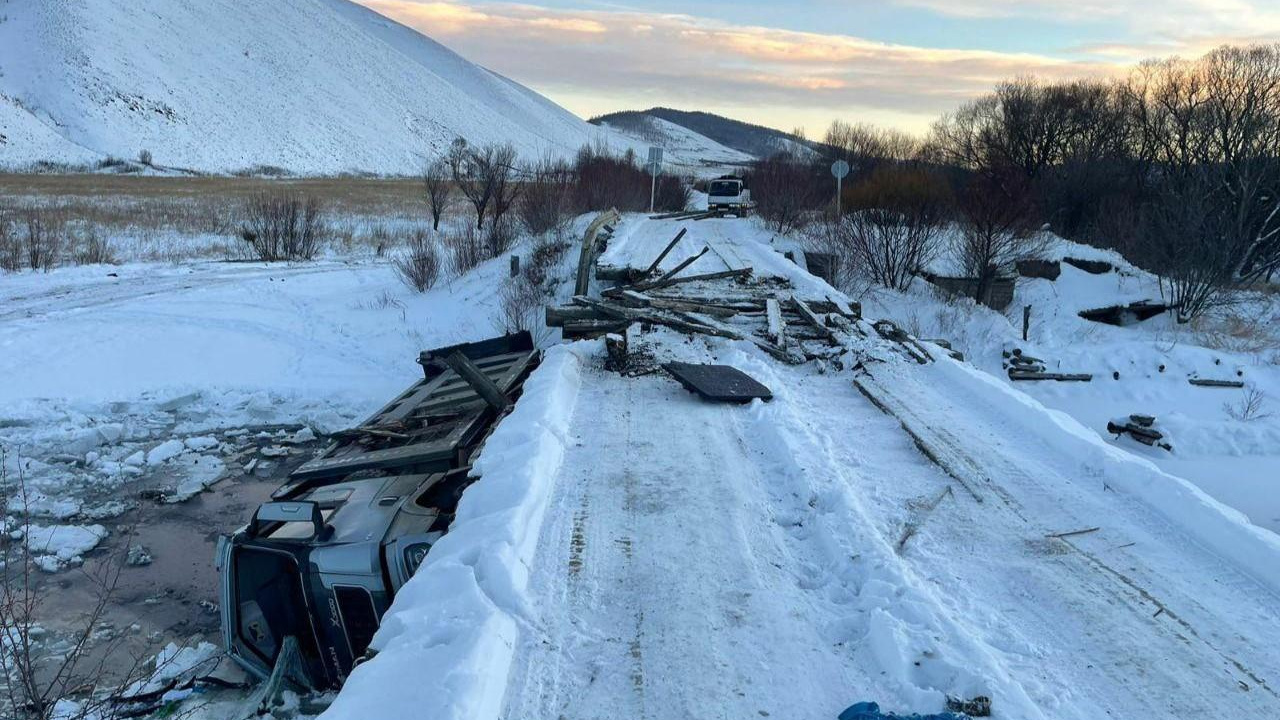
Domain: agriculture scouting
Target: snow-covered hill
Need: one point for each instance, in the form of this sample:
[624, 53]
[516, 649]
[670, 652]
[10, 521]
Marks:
[312, 86]
[686, 151]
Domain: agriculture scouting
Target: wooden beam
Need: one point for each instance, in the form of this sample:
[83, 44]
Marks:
[478, 381]
[654, 267]
[741, 273]
[587, 256]
[777, 326]
[812, 318]
[676, 271]
[558, 316]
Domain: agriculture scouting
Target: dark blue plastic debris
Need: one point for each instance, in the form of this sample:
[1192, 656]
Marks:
[871, 711]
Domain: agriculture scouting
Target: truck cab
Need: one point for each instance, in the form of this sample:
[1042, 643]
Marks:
[729, 193]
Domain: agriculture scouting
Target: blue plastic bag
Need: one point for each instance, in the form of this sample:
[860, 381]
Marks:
[871, 711]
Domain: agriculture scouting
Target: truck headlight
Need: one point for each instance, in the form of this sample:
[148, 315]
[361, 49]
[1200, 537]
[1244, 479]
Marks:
[414, 555]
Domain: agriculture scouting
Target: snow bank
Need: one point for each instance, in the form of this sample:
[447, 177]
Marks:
[1221, 529]
[446, 645]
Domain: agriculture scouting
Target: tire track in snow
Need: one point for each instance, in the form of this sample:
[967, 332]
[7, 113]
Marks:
[1032, 496]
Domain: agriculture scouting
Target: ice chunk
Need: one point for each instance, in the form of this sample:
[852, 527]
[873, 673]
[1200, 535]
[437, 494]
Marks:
[165, 451]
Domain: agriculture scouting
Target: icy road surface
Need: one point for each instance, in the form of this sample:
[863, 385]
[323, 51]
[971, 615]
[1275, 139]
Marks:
[705, 561]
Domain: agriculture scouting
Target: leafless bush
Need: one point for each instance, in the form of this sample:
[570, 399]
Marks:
[896, 219]
[144, 157]
[437, 182]
[546, 254]
[520, 307]
[95, 248]
[546, 204]
[604, 180]
[10, 246]
[45, 237]
[283, 226]
[465, 247]
[419, 266]
[1250, 407]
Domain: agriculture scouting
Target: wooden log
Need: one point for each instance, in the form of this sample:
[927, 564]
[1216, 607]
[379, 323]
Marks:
[558, 316]
[478, 381]
[1206, 382]
[587, 329]
[1015, 374]
[777, 326]
[654, 267]
[615, 345]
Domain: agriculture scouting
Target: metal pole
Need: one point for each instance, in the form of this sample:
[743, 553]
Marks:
[839, 183]
[653, 189]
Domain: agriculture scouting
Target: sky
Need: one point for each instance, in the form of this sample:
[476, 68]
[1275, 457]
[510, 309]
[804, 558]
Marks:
[801, 64]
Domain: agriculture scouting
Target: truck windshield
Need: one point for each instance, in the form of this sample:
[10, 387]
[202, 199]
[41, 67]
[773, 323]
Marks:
[725, 188]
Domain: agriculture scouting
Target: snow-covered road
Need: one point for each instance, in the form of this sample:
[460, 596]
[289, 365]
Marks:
[704, 561]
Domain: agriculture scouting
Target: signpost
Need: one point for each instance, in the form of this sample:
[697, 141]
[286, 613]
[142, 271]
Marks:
[840, 169]
[655, 168]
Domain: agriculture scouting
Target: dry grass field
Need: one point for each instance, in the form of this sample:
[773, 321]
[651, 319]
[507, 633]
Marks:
[152, 218]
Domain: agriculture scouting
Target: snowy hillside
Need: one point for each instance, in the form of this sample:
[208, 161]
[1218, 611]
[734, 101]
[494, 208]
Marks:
[686, 150]
[312, 86]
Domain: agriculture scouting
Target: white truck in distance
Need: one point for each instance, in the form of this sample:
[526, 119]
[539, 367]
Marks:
[730, 193]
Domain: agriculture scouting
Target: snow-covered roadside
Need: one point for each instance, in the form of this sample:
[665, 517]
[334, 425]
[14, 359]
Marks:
[446, 644]
[1142, 368]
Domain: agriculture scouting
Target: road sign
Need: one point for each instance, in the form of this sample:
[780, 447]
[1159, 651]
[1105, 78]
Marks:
[654, 166]
[839, 169]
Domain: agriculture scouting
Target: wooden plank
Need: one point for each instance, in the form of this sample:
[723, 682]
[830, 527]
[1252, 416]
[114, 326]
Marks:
[559, 316]
[1060, 377]
[1206, 382]
[676, 271]
[654, 267]
[777, 326]
[812, 318]
[587, 256]
[741, 273]
[478, 381]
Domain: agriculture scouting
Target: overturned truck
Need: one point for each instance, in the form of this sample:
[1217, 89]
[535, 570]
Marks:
[306, 582]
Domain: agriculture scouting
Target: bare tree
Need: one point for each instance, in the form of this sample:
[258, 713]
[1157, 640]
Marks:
[437, 182]
[895, 222]
[996, 227]
[484, 177]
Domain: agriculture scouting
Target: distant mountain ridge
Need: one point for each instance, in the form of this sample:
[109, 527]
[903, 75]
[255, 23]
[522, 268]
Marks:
[754, 140]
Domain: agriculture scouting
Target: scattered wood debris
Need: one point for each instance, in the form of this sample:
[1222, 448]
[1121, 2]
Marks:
[979, 706]
[1073, 533]
[1209, 382]
[1021, 366]
[1141, 428]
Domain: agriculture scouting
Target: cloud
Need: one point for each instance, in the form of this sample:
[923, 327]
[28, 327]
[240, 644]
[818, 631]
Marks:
[767, 74]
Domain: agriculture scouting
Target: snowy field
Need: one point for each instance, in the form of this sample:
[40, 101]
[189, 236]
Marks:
[632, 551]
